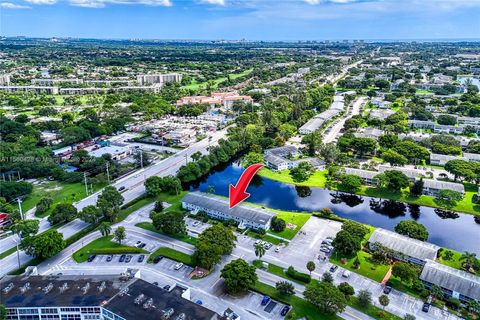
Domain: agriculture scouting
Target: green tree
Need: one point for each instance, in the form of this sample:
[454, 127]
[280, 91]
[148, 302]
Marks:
[253, 158]
[327, 277]
[310, 266]
[388, 141]
[238, 276]
[91, 214]
[105, 228]
[395, 180]
[325, 297]
[409, 316]
[346, 289]
[44, 245]
[44, 204]
[158, 207]
[302, 172]
[350, 183]
[259, 250]
[63, 212]
[278, 224]
[416, 189]
[384, 300]
[346, 243]
[120, 234]
[394, 158]
[26, 228]
[469, 260]
[313, 141]
[169, 222]
[449, 197]
[212, 243]
[412, 229]
[109, 202]
[364, 298]
[405, 271]
[355, 228]
[285, 288]
[437, 292]
[3, 312]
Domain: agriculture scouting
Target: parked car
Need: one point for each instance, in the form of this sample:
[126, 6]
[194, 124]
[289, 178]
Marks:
[121, 188]
[333, 268]
[122, 258]
[265, 300]
[268, 246]
[142, 245]
[109, 258]
[387, 289]
[327, 242]
[258, 241]
[128, 258]
[157, 259]
[346, 274]
[277, 249]
[426, 307]
[141, 258]
[155, 283]
[329, 238]
[91, 258]
[285, 310]
[138, 243]
[324, 249]
[167, 287]
[178, 266]
[196, 223]
[199, 302]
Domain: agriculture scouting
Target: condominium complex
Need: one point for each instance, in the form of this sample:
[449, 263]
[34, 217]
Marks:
[145, 79]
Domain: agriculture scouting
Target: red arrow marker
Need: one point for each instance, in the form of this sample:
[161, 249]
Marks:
[237, 194]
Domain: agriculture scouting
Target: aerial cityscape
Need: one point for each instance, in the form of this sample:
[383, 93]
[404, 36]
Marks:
[198, 159]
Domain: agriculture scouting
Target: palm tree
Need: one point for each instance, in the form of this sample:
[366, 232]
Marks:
[469, 259]
[105, 229]
[259, 250]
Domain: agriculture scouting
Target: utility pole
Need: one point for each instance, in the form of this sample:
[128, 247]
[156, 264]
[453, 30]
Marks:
[18, 254]
[108, 173]
[20, 208]
[85, 180]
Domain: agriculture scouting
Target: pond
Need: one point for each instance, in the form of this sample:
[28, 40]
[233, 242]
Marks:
[460, 233]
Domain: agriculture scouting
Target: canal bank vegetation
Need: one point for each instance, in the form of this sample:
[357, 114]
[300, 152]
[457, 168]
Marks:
[321, 179]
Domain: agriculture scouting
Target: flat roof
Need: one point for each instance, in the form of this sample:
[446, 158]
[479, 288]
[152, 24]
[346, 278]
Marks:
[405, 245]
[113, 150]
[243, 211]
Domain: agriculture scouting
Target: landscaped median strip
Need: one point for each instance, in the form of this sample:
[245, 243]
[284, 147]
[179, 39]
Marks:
[104, 246]
[174, 255]
[372, 310]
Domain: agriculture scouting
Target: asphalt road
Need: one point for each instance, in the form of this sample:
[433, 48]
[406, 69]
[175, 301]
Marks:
[334, 129]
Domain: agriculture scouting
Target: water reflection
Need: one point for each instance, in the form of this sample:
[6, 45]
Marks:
[303, 191]
[389, 208]
[351, 200]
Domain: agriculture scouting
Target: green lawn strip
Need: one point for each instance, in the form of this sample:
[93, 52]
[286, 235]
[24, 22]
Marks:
[195, 85]
[296, 218]
[138, 203]
[300, 307]
[174, 255]
[372, 311]
[104, 245]
[367, 268]
[265, 237]
[318, 179]
[59, 192]
[185, 238]
[276, 270]
[8, 252]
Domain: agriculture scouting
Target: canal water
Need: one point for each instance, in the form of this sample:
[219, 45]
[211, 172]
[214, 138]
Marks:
[460, 233]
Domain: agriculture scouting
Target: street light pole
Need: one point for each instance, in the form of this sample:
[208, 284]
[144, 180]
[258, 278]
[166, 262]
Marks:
[20, 208]
[18, 254]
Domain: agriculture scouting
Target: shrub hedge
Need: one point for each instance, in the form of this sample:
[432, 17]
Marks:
[300, 276]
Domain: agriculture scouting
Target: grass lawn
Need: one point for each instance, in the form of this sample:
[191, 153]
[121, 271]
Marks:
[202, 85]
[422, 91]
[276, 270]
[318, 179]
[58, 191]
[300, 307]
[174, 255]
[173, 200]
[454, 262]
[296, 218]
[103, 245]
[8, 252]
[185, 238]
[367, 268]
[372, 310]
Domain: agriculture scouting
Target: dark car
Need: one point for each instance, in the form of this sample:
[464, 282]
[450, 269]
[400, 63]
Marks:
[128, 258]
[285, 310]
[333, 268]
[265, 300]
[157, 259]
[167, 287]
[155, 283]
[141, 258]
[426, 307]
[109, 258]
[121, 188]
[91, 258]
[122, 258]
[387, 289]
[142, 245]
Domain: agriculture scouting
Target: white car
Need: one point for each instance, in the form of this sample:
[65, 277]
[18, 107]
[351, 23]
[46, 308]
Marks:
[258, 242]
[178, 266]
[346, 274]
[277, 249]
[196, 223]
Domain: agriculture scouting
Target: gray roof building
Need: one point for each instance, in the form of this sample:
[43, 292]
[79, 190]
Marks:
[365, 174]
[441, 185]
[284, 151]
[471, 156]
[407, 246]
[243, 213]
[462, 284]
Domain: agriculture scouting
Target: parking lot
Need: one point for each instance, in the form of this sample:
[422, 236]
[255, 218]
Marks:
[195, 227]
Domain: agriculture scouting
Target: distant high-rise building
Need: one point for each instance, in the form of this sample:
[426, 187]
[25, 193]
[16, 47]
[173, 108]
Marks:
[144, 79]
[4, 80]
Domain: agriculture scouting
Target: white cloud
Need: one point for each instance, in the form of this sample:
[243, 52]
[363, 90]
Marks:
[9, 5]
[312, 1]
[103, 3]
[49, 2]
[215, 2]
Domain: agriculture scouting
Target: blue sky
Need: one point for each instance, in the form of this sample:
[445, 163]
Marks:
[237, 19]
